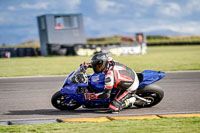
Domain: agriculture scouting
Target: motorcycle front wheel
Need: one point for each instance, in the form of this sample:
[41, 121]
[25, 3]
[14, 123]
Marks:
[58, 100]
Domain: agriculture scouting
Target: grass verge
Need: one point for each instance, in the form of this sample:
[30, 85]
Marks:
[172, 39]
[164, 58]
[165, 125]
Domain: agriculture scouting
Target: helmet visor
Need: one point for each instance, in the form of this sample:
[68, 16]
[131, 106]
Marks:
[98, 67]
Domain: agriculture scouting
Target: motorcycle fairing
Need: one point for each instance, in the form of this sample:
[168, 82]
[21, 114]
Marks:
[67, 81]
[71, 88]
[97, 81]
[150, 76]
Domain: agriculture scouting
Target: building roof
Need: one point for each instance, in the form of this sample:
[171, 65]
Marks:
[61, 14]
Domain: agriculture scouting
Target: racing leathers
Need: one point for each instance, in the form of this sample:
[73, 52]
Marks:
[121, 77]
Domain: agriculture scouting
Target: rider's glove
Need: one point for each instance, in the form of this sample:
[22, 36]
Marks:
[89, 96]
[86, 64]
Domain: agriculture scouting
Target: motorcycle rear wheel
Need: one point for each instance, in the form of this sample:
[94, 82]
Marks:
[152, 92]
[58, 100]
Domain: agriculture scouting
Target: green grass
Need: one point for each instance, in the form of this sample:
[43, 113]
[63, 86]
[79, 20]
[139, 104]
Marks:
[165, 125]
[165, 58]
[105, 40]
[116, 39]
[149, 39]
[168, 39]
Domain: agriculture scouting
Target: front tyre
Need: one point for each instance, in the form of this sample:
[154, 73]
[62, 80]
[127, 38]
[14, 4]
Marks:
[58, 100]
[153, 93]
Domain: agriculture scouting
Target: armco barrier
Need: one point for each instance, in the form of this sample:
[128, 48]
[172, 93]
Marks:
[19, 52]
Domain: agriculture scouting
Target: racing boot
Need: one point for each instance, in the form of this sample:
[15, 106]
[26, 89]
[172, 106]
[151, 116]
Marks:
[118, 102]
[115, 106]
[129, 102]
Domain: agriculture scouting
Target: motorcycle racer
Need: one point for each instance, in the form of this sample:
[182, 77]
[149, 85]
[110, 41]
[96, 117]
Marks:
[116, 76]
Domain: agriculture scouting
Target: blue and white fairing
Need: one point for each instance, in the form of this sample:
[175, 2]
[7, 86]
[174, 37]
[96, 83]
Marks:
[69, 87]
[96, 81]
[150, 76]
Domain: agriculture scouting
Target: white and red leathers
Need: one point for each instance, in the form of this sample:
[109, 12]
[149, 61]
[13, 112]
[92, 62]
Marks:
[123, 78]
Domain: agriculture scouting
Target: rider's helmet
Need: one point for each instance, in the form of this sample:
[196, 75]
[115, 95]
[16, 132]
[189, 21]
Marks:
[99, 62]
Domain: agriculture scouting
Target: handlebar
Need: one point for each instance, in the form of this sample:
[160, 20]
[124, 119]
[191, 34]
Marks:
[79, 75]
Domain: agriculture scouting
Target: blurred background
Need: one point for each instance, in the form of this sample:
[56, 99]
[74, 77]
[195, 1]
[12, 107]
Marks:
[104, 22]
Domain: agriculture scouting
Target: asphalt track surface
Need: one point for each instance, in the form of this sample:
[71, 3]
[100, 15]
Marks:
[29, 98]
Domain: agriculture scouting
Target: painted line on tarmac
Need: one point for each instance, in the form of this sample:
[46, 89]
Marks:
[97, 119]
[30, 122]
[195, 71]
[164, 113]
[85, 119]
[134, 117]
[110, 118]
[179, 115]
[42, 76]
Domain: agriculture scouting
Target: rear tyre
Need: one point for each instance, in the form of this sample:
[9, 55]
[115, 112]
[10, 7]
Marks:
[152, 92]
[58, 100]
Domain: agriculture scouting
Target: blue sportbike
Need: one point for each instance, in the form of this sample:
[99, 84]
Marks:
[71, 96]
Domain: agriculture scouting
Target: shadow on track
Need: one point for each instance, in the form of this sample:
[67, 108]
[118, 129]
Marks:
[55, 112]
[59, 112]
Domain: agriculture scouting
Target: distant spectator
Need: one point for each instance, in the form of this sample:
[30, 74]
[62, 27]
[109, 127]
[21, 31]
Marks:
[140, 38]
[7, 54]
